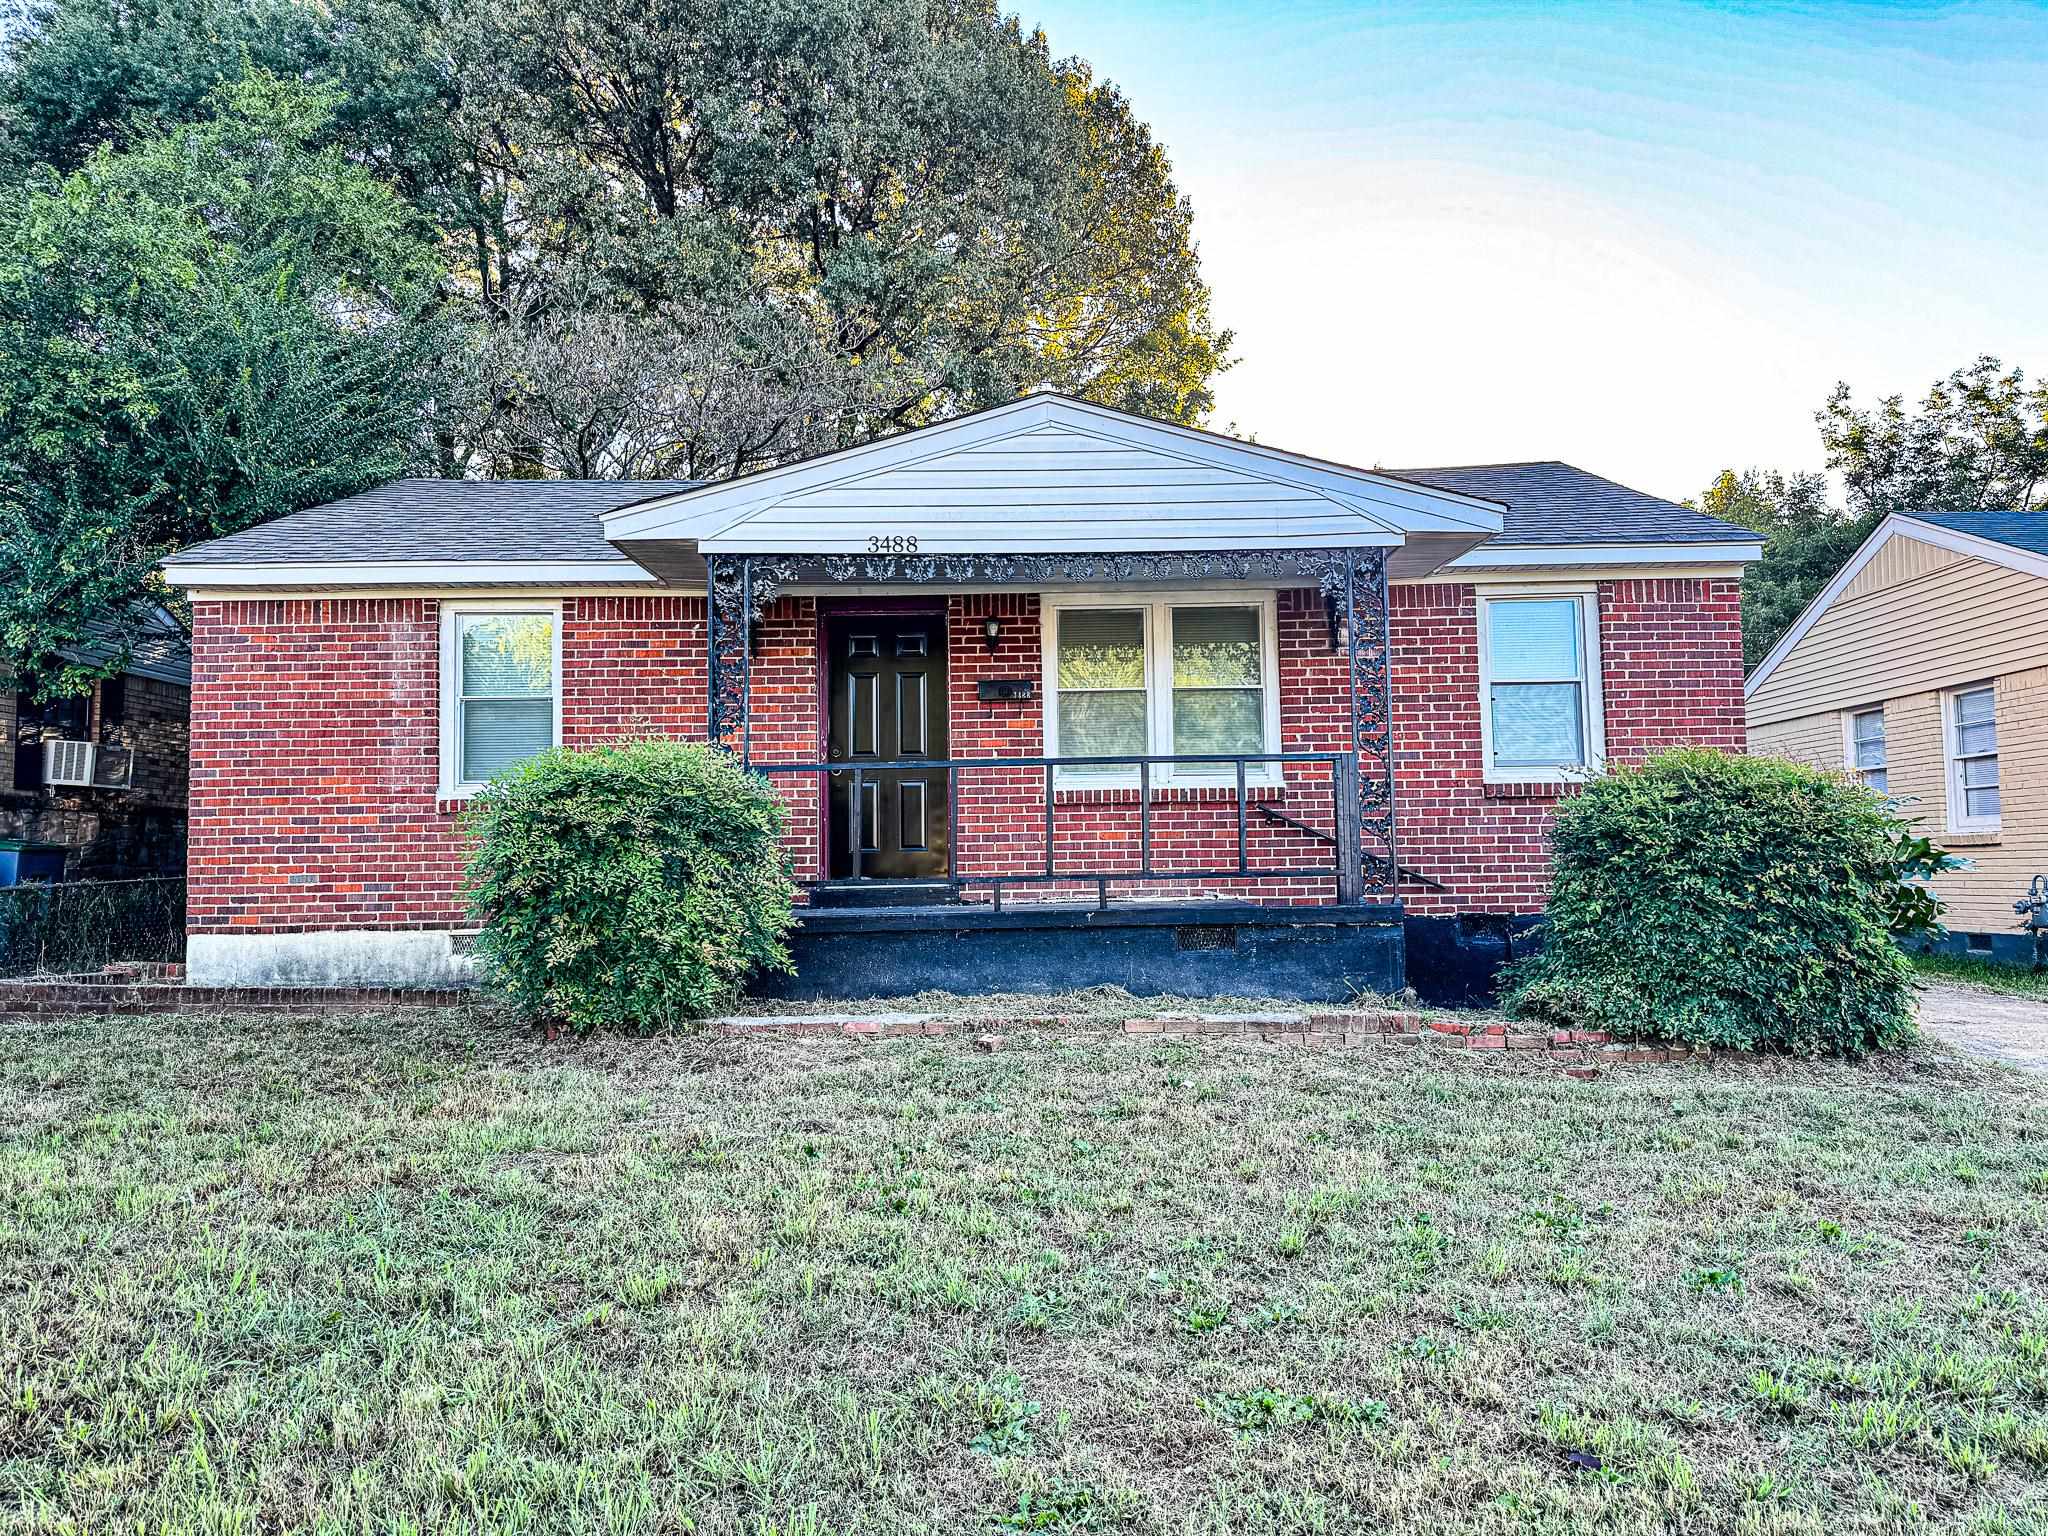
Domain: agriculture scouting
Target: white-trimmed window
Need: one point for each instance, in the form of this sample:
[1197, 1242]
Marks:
[501, 697]
[1539, 683]
[1178, 673]
[1866, 748]
[1971, 737]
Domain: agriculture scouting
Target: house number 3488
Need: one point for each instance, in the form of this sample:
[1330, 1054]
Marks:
[892, 543]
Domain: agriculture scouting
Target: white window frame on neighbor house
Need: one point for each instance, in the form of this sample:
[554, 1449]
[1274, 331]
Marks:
[453, 786]
[1592, 725]
[1953, 759]
[1861, 771]
[1157, 608]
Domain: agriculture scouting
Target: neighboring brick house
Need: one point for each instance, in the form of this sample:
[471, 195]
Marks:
[1919, 668]
[1257, 684]
[117, 807]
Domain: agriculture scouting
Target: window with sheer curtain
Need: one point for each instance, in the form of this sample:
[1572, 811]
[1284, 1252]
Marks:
[499, 670]
[1163, 678]
[1539, 685]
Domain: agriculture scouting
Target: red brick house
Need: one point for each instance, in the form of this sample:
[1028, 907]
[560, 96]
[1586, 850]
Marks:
[1052, 693]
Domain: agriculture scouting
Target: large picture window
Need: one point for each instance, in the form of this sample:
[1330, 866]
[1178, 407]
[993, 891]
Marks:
[1539, 676]
[1176, 675]
[501, 702]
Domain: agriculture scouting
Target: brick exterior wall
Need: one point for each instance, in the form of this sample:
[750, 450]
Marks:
[316, 723]
[1671, 674]
[109, 834]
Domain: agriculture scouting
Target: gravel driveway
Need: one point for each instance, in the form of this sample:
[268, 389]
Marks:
[2013, 1029]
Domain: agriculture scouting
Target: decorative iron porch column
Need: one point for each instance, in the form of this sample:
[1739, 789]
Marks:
[1355, 584]
[740, 589]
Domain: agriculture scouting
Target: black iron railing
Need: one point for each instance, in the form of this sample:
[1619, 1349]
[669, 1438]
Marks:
[1346, 865]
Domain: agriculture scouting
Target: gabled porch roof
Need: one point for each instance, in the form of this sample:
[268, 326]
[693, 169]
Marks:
[1053, 474]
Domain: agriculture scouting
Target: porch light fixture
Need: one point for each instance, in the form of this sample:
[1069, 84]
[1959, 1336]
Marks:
[991, 630]
[1340, 628]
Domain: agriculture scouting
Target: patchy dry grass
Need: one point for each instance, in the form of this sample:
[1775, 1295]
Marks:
[370, 1275]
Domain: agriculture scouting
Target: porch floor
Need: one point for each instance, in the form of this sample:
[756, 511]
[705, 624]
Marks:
[1194, 948]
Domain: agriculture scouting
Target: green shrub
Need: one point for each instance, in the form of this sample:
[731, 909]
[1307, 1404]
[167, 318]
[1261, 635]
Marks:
[628, 887]
[1726, 901]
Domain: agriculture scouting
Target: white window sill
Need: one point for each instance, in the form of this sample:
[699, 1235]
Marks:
[1127, 783]
[1521, 778]
[1974, 837]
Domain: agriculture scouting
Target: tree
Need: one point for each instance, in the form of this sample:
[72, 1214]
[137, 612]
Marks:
[950, 215]
[674, 237]
[211, 328]
[1805, 542]
[1978, 442]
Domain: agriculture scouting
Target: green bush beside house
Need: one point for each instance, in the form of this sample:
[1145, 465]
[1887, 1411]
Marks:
[1724, 901]
[631, 887]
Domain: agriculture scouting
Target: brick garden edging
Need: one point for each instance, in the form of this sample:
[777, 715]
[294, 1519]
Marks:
[153, 989]
[141, 989]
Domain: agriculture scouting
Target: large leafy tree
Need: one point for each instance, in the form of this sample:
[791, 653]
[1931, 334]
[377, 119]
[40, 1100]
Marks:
[682, 237]
[211, 327]
[1976, 442]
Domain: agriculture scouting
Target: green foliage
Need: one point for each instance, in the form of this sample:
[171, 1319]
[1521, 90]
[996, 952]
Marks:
[679, 240]
[1911, 909]
[216, 326]
[1805, 542]
[630, 887]
[1977, 442]
[1723, 901]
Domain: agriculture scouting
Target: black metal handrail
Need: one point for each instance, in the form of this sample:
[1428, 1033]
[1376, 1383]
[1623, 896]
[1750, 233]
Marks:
[1347, 866]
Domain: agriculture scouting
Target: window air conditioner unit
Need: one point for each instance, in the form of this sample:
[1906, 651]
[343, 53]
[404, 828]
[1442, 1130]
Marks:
[68, 762]
[113, 768]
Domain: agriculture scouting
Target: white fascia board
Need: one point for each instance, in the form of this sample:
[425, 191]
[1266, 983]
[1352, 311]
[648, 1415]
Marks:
[1374, 497]
[1490, 557]
[939, 545]
[410, 573]
[1897, 525]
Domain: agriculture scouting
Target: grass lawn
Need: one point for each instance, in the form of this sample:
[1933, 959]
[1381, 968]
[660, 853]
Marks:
[402, 1274]
[1964, 971]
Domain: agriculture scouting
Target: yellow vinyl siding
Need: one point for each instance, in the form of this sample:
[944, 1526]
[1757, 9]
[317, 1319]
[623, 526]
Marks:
[1959, 623]
[1815, 740]
[2003, 862]
[1900, 560]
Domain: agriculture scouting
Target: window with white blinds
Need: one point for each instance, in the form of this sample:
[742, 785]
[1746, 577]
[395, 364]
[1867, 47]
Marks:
[1539, 684]
[1867, 749]
[499, 690]
[1973, 760]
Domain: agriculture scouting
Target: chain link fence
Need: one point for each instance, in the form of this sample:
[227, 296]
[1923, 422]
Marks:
[86, 925]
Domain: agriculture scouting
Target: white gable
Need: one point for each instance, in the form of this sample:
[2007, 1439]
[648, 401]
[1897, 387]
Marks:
[1052, 474]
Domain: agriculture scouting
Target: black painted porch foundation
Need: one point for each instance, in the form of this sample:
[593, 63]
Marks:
[1179, 948]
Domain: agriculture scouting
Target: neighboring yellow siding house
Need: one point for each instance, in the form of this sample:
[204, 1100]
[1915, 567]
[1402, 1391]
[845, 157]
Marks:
[1923, 668]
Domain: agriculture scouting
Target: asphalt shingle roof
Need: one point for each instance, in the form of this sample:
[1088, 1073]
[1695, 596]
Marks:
[1550, 502]
[2022, 530]
[443, 520]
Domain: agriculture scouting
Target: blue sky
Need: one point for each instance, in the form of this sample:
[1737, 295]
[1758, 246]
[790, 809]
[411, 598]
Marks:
[1644, 238]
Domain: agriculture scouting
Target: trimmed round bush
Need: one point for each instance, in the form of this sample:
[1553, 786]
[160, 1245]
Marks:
[1723, 901]
[631, 887]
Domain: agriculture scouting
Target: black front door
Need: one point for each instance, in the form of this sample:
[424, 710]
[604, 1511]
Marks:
[887, 675]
